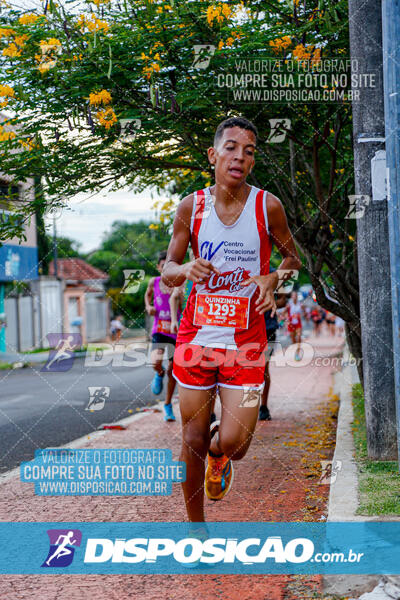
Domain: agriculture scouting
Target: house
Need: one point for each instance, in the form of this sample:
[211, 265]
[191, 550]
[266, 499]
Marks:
[18, 263]
[86, 307]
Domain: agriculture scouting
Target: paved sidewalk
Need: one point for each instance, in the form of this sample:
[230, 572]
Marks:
[276, 481]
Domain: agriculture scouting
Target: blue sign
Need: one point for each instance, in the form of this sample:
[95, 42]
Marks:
[200, 548]
[18, 263]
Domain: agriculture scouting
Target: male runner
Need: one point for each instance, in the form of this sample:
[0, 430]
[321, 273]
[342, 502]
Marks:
[294, 311]
[221, 338]
[163, 337]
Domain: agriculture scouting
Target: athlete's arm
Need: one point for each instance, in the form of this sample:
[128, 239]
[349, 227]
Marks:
[174, 272]
[280, 234]
[148, 298]
[174, 302]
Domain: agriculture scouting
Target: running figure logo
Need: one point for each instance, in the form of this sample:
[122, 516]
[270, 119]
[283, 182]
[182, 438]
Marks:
[251, 397]
[329, 472]
[98, 397]
[61, 551]
[61, 357]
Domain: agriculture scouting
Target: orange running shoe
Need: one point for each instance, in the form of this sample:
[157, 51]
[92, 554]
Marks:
[219, 477]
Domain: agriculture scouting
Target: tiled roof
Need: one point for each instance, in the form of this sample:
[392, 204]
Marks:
[76, 269]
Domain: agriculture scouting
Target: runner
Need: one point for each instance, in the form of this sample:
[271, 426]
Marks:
[181, 294]
[221, 339]
[271, 327]
[163, 337]
[317, 318]
[62, 546]
[116, 328]
[293, 312]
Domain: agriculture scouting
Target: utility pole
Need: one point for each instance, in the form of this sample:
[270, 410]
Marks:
[391, 80]
[365, 20]
[55, 254]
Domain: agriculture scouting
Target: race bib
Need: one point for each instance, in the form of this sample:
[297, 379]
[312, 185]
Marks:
[295, 320]
[223, 311]
[163, 326]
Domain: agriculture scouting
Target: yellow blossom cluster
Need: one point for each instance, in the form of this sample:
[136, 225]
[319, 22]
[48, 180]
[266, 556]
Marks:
[153, 66]
[29, 19]
[48, 58]
[106, 117]
[97, 98]
[280, 43]
[92, 24]
[303, 53]
[6, 92]
[98, 2]
[218, 13]
[230, 41]
[6, 135]
[6, 32]
[15, 47]
[161, 9]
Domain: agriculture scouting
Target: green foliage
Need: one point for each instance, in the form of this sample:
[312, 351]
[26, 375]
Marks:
[135, 60]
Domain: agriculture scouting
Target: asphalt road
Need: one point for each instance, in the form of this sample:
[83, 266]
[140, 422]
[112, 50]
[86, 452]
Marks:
[40, 410]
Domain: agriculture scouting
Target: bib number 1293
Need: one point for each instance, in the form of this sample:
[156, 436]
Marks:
[222, 311]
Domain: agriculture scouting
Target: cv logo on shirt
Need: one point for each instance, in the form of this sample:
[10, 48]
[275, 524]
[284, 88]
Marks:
[207, 249]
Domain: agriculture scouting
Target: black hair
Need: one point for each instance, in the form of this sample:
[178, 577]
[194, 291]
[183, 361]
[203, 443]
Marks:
[162, 256]
[234, 122]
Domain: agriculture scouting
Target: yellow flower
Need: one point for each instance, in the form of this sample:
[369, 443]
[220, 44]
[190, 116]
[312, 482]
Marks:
[106, 117]
[28, 19]
[153, 226]
[12, 51]
[98, 2]
[98, 98]
[7, 91]
[20, 40]
[159, 9]
[351, 238]
[51, 42]
[6, 32]
[220, 45]
[280, 43]
[6, 135]
[331, 227]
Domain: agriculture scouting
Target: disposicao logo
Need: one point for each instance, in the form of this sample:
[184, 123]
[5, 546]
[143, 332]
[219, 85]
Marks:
[191, 549]
[61, 551]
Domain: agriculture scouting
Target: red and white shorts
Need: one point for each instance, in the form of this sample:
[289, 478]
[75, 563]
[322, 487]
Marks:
[200, 367]
[294, 325]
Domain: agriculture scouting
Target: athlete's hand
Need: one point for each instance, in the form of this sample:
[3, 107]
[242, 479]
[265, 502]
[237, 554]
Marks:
[151, 310]
[199, 270]
[266, 298]
[174, 326]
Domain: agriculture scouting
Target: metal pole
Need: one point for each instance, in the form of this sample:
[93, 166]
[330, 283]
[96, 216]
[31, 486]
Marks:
[391, 81]
[55, 248]
[365, 22]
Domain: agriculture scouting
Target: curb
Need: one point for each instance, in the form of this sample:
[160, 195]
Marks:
[343, 494]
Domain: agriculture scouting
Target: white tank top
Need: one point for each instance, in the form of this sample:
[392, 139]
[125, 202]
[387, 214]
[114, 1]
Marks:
[238, 251]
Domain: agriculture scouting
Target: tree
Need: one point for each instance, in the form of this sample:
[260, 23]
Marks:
[79, 76]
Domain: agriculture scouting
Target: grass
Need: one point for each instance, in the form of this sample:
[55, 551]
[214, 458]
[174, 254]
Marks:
[4, 366]
[379, 481]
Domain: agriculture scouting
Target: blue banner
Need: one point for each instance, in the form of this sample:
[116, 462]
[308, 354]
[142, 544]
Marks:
[103, 472]
[171, 548]
[18, 263]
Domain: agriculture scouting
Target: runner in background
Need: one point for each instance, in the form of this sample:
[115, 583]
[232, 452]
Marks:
[317, 318]
[181, 294]
[294, 312]
[330, 322]
[116, 328]
[271, 327]
[157, 302]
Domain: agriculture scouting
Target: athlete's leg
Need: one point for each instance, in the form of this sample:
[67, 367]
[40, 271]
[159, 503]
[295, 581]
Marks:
[237, 424]
[195, 407]
[267, 385]
[171, 384]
